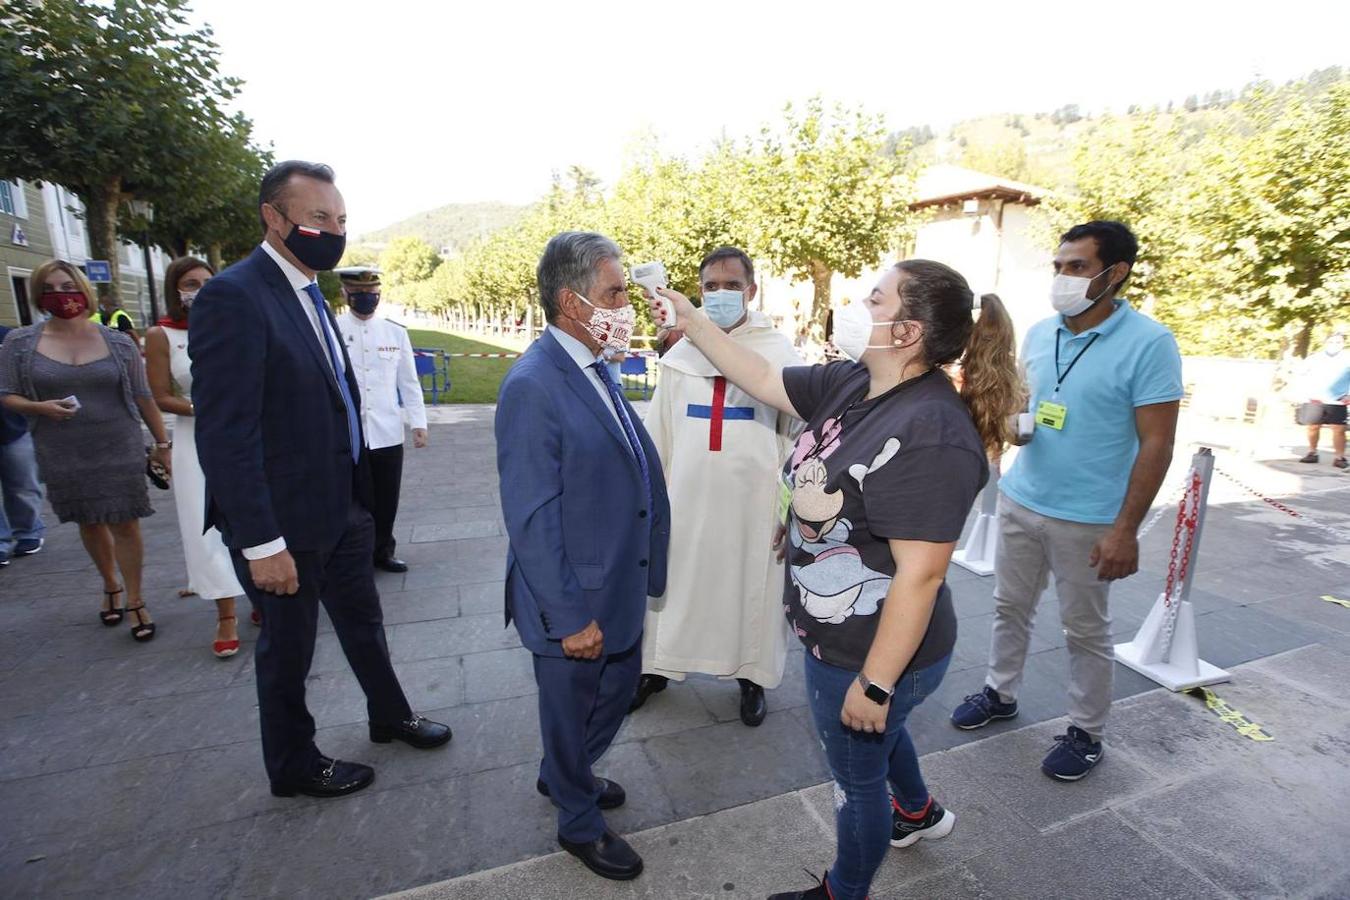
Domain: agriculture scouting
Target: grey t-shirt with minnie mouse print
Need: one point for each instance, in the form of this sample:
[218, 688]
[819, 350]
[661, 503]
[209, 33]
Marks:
[906, 465]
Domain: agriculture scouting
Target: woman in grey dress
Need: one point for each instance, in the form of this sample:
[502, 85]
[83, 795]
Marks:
[84, 388]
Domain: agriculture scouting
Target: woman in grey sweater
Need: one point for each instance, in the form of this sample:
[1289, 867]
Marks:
[84, 388]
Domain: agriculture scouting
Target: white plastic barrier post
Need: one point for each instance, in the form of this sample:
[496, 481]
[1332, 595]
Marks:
[977, 555]
[1165, 647]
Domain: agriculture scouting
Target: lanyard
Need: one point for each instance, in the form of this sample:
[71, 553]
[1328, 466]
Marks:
[838, 430]
[1059, 379]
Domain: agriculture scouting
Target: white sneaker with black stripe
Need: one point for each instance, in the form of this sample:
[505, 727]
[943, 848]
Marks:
[935, 822]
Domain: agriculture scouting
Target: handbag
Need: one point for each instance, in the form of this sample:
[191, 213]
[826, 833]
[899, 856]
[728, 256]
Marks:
[155, 471]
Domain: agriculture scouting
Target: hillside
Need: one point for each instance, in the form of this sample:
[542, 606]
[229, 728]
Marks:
[452, 227]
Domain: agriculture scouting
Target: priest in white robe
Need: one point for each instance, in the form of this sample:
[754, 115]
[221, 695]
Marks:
[721, 450]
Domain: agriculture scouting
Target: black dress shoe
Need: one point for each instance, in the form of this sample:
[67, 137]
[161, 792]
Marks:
[415, 732]
[648, 685]
[608, 856]
[753, 707]
[330, 778]
[391, 564]
[612, 795]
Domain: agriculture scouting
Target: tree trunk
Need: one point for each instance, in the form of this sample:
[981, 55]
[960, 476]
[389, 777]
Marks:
[1303, 340]
[100, 210]
[213, 256]
[820, 301]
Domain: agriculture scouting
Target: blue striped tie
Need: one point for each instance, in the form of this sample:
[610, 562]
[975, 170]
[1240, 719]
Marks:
[353, 426]
[616, 396]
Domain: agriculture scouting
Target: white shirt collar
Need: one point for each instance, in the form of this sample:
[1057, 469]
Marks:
[297, 278]
[580, 354]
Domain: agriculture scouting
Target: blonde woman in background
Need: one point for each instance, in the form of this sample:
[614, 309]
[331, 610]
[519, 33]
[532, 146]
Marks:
[83, 386]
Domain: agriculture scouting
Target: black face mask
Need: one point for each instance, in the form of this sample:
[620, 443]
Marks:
[363, 302]
[317, 250]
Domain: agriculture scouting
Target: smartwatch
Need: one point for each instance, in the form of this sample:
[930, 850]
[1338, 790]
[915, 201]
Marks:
[873, 691]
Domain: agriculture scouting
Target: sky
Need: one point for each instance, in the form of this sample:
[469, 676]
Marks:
[418, 103]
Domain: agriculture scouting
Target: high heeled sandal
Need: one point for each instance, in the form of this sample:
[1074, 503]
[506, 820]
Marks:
[141, 631]
[113, 616]
[225, 649]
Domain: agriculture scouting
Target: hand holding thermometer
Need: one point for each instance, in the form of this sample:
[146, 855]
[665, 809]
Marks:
[651, 276]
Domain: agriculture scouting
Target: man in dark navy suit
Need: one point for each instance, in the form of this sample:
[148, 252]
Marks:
[585, 506]
[287, 481]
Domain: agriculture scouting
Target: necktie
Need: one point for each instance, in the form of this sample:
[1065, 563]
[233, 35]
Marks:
[616, 397]
[353, 428]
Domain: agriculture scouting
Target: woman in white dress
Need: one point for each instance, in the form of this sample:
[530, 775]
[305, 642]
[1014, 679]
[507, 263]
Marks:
[210, 571]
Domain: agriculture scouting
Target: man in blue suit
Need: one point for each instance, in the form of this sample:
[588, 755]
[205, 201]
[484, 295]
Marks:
[287, 481]
[585, 506]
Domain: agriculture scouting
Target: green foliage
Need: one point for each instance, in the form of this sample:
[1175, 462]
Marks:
[828, 197]
[406, 260]
[1240, 204]
[452, 227]
[359, 255]
[1242, 213]
[826, 191]
[119, 101]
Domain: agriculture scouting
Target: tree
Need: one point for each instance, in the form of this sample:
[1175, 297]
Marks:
[209, 202]
[1279, 216]
[407, 259]
[104, 99]
[826, 197]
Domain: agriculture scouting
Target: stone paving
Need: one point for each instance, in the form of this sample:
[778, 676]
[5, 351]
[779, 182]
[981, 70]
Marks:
[132, 770]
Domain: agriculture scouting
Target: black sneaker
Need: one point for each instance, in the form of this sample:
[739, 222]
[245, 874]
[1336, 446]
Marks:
[27, 546]
[934, 823]
[1073, 756]
[1310, 458]
[820, 892]
[980, 709]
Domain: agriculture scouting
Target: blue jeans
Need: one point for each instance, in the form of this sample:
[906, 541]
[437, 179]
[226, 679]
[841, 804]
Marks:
[862, 764]
[21, 511]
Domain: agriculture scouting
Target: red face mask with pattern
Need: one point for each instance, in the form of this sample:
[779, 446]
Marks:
[65, 304]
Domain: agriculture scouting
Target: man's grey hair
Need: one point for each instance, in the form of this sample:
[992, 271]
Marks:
[570, 261]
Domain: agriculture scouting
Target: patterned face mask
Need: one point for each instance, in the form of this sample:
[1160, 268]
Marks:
[612, 329]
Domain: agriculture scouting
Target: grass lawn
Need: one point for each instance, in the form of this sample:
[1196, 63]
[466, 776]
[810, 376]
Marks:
[474, 380]
[471, 380]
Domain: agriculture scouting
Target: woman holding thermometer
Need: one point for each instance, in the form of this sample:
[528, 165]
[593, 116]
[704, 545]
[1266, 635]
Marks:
[874, 498]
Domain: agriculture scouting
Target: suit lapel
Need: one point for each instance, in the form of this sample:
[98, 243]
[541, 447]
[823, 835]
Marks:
[580, 384]
[299, 321]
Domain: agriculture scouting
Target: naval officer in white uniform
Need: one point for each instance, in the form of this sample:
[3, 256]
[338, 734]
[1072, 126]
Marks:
[391, 394]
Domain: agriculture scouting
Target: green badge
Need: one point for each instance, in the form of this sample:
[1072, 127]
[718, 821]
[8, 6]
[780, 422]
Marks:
[1051, 415]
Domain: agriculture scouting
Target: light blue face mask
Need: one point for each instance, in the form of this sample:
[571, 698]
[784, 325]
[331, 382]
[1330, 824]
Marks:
[725, 308]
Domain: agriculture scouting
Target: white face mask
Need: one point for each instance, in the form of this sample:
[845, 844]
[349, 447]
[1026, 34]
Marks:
[1068, 294]
[853, 329]
[612, 329]
[187, 297]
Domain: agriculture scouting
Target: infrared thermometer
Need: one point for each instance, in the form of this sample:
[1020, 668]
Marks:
[651, 276]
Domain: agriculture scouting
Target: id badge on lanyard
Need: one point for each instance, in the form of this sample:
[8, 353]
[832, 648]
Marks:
[1051, 413]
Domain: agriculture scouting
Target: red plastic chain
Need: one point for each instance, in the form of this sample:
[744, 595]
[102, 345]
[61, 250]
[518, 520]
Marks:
[1262, 497]
[1188, 516]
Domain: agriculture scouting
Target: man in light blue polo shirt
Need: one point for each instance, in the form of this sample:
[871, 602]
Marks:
[1105, 384]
